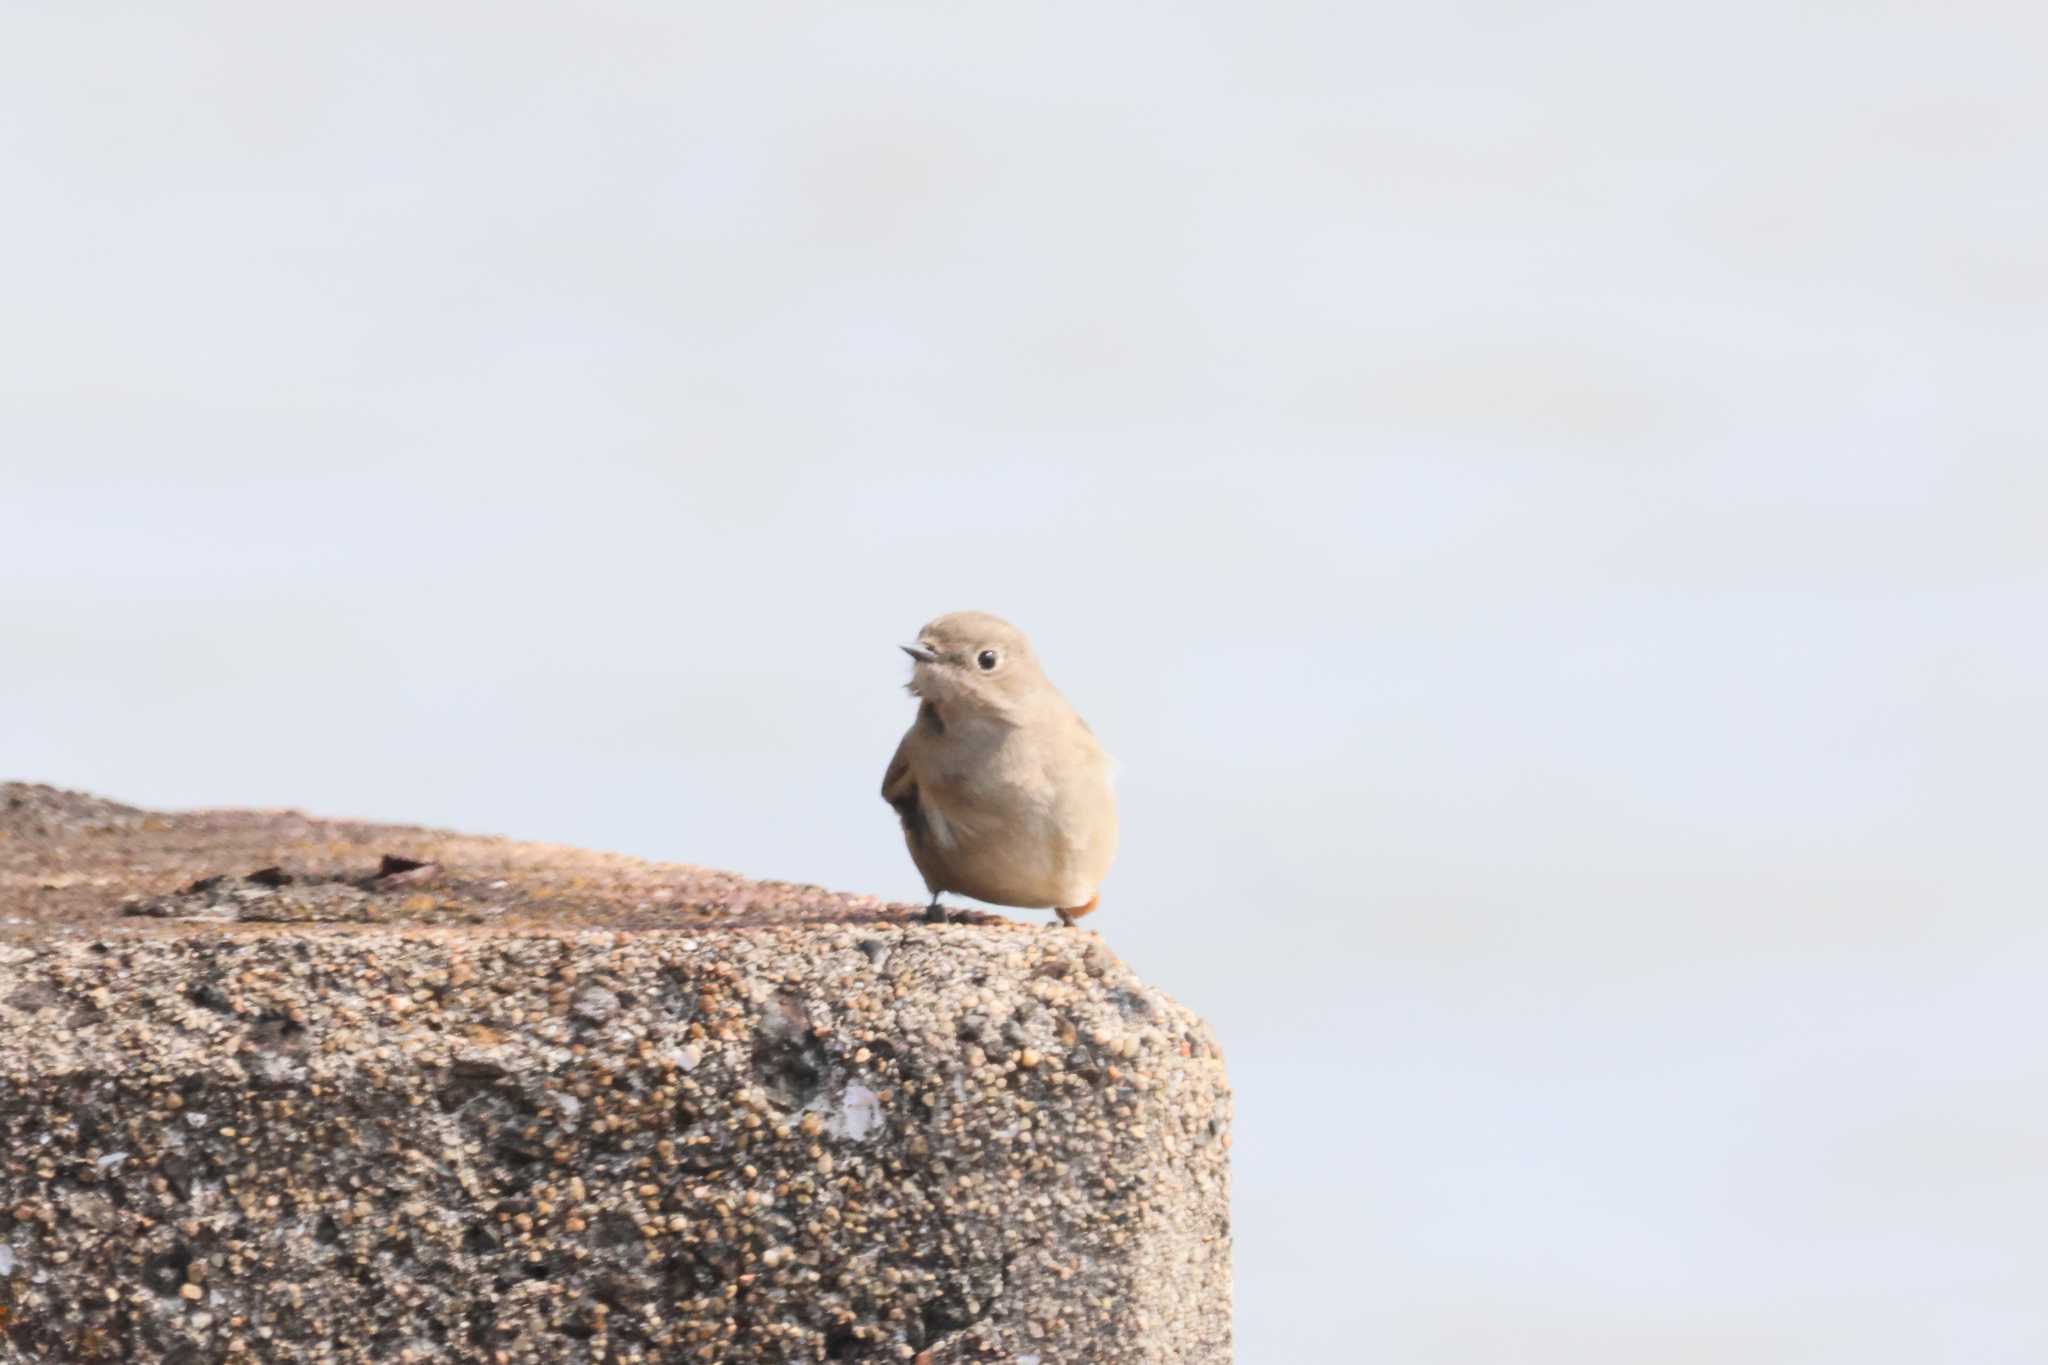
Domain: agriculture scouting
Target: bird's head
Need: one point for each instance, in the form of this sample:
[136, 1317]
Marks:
[973, 663]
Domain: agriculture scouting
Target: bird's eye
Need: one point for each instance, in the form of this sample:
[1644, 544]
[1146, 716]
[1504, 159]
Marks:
[987, 659]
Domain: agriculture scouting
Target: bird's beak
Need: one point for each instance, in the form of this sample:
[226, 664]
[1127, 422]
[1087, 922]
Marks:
[919, 653]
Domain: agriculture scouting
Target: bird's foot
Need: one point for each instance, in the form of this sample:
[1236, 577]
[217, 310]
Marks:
[936, 913]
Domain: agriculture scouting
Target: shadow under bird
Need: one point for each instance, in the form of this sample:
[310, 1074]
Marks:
[1004, 793]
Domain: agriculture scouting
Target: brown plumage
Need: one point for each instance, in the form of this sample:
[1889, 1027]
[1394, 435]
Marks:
[1003, 792]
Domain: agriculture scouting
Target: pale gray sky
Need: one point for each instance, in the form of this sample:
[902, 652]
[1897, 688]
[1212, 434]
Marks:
[1547, 507]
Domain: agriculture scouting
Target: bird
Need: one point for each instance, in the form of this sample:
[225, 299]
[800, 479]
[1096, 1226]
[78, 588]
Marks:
[1003, 792]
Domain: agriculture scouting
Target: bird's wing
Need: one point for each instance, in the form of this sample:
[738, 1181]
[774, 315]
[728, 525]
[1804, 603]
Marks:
[899, 788]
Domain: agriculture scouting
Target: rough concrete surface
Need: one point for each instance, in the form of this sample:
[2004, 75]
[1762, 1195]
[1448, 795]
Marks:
[411, 1096]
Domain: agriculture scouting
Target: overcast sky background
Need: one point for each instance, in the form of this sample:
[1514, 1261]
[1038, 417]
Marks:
[1548, 509]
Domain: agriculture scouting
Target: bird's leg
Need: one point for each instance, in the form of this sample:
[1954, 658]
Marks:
[1072, 913]
[935, 913]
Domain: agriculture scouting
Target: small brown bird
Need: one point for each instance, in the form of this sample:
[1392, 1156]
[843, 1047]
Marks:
[1003, 792]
